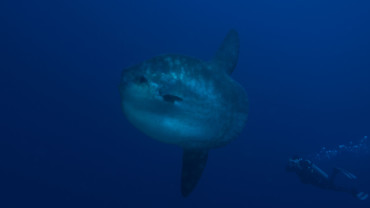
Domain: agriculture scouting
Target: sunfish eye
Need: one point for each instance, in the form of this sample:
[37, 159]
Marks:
[171, 98]
[141, 79]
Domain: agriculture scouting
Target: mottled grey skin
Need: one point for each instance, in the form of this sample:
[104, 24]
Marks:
[184, 101]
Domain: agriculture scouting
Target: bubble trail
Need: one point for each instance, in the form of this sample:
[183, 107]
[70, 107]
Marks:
[359, 148]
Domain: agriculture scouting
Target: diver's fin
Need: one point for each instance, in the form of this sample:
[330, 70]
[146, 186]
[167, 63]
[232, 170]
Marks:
[193, 163]
[362, 196]
[226, 56]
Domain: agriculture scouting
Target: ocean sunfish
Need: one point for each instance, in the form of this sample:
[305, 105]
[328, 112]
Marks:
[193, 104]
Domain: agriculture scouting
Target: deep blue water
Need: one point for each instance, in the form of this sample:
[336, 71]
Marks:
[64, 141]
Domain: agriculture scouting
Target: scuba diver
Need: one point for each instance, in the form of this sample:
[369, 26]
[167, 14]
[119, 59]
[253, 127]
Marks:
[309, 173]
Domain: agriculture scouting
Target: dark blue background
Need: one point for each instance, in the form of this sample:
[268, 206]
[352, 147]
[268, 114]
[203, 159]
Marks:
[64, 141]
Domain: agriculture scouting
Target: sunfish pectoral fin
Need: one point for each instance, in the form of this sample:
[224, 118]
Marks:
[193, 163]
[226, 56]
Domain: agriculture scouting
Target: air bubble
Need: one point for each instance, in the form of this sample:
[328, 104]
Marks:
[360, 148]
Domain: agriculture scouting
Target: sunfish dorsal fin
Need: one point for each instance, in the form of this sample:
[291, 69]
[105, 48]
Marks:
[193, 163]
[227, 54]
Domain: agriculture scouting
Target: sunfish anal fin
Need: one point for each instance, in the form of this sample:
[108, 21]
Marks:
[193, 163]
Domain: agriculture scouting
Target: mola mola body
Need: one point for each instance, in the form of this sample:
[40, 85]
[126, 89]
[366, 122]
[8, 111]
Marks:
[191, 103]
